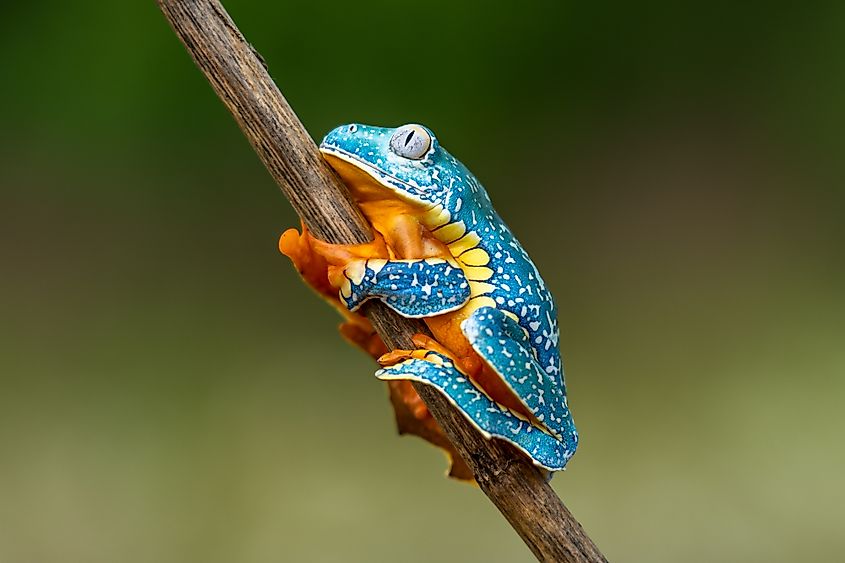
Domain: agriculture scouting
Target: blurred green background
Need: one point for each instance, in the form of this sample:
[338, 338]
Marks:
[169, 391]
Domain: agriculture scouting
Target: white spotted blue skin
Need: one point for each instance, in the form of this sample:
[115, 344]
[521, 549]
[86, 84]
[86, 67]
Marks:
[412, 288]
[545, 450]
[515, 332]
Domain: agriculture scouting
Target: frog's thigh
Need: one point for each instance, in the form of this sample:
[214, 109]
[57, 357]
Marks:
[489, 417]
[413, 288]
[505, 347]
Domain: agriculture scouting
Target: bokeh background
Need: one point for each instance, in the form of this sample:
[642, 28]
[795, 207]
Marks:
[169, 391]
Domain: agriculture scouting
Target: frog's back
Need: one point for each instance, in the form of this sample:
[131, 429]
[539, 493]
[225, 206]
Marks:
[500, 272]
[519, 289]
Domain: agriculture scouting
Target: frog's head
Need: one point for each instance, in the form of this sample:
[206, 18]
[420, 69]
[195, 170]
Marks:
[404, 163]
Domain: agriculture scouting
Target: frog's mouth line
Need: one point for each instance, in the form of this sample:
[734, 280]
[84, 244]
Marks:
[383, 178]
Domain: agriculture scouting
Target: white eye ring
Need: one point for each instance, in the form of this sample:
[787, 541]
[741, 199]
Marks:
[410, 141]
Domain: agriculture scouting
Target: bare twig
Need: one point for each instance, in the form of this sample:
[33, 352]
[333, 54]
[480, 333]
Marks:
[240, 79]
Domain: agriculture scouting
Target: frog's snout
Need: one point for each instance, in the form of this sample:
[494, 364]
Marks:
[344, 137]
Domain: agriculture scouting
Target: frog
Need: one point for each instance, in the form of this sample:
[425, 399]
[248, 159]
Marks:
[442, 253]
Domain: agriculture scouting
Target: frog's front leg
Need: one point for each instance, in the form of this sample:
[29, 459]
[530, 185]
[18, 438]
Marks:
[419, 287]
[412, 288]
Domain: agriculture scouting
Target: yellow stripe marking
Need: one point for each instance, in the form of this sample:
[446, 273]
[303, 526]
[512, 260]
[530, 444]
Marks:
[480, 288]
[436, 217]
[475, 257]
[478, 273]
[466, 242]
[451, 232]
[477, 303]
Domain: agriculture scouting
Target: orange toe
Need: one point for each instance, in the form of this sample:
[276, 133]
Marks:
[394, 357]
[290, 244]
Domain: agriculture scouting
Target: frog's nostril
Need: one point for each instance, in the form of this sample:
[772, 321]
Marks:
[352, 128]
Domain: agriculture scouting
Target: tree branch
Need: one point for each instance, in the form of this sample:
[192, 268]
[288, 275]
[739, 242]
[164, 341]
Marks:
[240, 78]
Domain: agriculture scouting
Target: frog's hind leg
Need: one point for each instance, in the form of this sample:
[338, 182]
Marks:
[505, 347]
[489, 417]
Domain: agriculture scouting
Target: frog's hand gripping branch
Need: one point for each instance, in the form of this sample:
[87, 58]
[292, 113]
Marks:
[314, 269]
[309, 258]
[414, 288]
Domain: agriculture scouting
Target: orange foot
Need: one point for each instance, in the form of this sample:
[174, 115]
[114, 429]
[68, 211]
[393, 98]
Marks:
[321, 263]
[310, 265]
[469, 365]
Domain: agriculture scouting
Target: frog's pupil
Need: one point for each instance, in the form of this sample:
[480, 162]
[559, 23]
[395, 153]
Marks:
[409, 137]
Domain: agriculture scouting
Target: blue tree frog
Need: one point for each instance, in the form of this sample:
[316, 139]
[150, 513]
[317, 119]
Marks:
[443, 254]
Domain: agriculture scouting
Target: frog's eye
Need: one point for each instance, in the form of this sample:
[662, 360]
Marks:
[410, 141]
